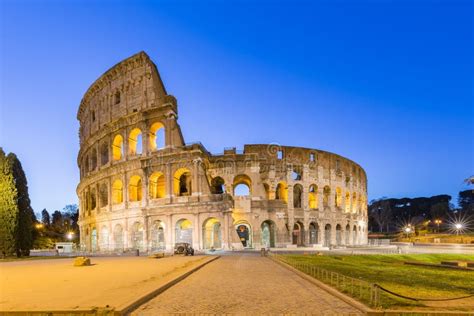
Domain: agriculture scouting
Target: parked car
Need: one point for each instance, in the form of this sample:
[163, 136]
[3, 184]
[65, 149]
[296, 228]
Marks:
[183, 248]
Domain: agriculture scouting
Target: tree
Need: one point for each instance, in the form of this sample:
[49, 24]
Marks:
[439, 210]
[381, 213]
[16, 215]
[466, 202]
[57, 220]
[45, 218]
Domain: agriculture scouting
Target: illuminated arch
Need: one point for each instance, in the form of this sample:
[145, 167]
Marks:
[326, 194]
[281, 192]
[313, 196]
[135, 189]
[117, 192]
[184, 231]
[117, 147]
[135, 142]
[157, 185]
[211, 233]
[354, 202]
[348, 203]
[338, 197]
[182, 182]
[157, 136]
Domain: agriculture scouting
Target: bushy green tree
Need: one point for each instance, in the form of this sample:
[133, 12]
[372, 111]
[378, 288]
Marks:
[45, 218]
[16, 215]
[9, 218]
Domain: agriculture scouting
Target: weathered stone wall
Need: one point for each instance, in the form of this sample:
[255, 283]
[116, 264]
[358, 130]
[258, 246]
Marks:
[135, 194]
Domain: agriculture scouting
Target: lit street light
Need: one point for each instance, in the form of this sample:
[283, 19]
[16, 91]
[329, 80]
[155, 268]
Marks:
[437, 222]
[458, 227]
[407, 230]
[70, 235]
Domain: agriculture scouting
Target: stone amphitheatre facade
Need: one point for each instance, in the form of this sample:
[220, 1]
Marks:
[142, 187]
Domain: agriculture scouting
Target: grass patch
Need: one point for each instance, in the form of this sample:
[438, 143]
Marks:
[390, 272]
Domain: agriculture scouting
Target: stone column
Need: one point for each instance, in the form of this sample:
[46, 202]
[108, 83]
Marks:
[146, 232]
[195, 184]
[169, 241]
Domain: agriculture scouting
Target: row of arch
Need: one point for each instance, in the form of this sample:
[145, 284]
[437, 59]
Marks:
[211, 232]
[156, 140]
[353, 202]
[242, 186]
[182, 186]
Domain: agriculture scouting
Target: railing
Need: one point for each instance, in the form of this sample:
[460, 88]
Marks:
[366, 292]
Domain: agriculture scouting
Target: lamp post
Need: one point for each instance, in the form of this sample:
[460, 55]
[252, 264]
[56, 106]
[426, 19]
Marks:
[458, 227]
[438, 222]
[407, 230]
[70, 235]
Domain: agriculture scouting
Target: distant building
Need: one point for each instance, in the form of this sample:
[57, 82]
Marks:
[142, 187]
[64, 247]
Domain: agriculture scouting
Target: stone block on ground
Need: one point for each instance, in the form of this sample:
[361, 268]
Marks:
[82, 261]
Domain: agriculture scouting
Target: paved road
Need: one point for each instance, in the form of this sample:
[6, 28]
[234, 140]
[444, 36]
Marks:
[245, 283]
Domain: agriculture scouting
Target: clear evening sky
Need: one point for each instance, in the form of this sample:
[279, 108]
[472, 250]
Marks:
[387, 84]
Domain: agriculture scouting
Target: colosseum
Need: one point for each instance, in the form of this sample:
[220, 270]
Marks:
[143, 187]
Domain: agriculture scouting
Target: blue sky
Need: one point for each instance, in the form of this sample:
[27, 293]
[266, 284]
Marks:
[387, 84]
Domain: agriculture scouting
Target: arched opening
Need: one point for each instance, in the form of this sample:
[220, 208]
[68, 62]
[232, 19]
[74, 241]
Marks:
[281, 192]
[117, 147]
[135, 142]
[313, 196]
[338, 235]
[157, 136]
[354, 236]
[217, 185]
[297, 195]
[117, 192]
[104, 153]
[268, 234]
[347, 234]
[94, 239]
[298, 234]
[137, 236]
[103, 195]
[211, 234]
[135, 189]
[117, 97]
[354, 202]
[348, 203]
[118, 237]
[244, 233]
[156, 185]
[327, 235]
[326, 194]
[93, 198]
[184, 231]
[104, 238]
[313, 233]
[266, 187]
[93, 158]
[338, 197]
[242, 185]
[182, 182]
[157, 236]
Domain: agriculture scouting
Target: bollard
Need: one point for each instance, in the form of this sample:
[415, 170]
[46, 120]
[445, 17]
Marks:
[262, 252]
[137, 253]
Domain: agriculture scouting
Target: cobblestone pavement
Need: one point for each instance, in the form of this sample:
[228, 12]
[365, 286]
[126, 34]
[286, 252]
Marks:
[245, 283]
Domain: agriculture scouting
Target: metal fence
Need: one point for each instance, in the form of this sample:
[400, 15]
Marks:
[366, 292]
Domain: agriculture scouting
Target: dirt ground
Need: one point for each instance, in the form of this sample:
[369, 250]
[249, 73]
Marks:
[58, 285]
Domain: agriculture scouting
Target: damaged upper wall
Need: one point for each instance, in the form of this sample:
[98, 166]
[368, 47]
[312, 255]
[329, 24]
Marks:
[131, 86]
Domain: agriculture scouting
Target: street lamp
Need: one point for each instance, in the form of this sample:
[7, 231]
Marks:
[437, 222]
[407, 230]
[458, 227]
[39, 226]
[70, 235]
